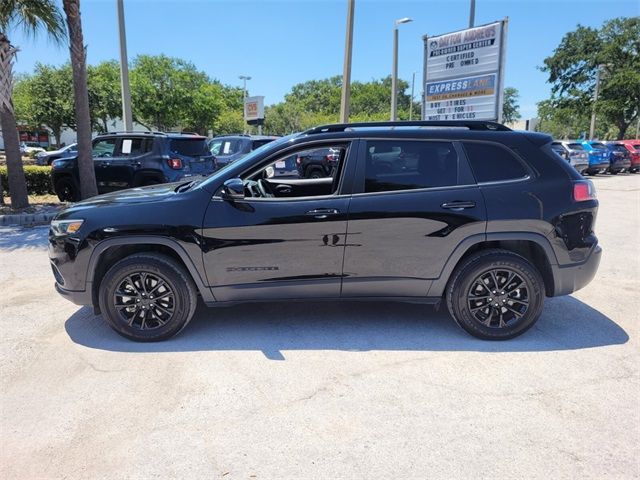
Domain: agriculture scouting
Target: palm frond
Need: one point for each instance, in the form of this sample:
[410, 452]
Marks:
[32, 16]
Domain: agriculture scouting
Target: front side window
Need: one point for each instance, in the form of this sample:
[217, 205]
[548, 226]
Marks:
[493, 163]
[104, 148]
[407, 165]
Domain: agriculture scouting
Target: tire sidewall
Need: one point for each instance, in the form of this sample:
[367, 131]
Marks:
[459, 288]
[183, 295]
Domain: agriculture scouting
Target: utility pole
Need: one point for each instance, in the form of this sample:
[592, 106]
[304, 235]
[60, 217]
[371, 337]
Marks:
[472, 13]
[394, 70]
[413, 82]
[592, 128]
[346, 71]
[127, 117]
[244, 79]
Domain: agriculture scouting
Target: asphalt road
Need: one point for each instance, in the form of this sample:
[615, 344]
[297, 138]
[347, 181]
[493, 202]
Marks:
[318, 390]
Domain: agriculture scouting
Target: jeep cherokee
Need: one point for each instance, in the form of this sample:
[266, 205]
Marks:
[486, 220]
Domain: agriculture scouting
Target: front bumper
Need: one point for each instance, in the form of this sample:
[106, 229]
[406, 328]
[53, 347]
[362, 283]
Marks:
[569, 278]
[82, 297]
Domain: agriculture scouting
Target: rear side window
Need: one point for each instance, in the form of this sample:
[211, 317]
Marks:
[407, 165]
[132, 147]
[492, 163]
[576, 146]
[258, 143]
[226, 146]
[192, 147]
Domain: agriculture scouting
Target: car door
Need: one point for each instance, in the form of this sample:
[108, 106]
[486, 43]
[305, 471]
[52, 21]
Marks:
[407, 215]
[103, 153]
[279, 247]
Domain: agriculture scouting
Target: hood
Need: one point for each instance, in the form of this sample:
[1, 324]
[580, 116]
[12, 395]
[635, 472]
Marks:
[132, 196]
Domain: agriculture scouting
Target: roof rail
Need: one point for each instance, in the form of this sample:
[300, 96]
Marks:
[470, 124]
[146, 132]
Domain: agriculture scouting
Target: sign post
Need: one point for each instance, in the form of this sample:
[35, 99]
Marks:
[254, 111]
[464, 74]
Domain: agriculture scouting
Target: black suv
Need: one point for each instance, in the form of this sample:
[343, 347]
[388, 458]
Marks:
[317, 163]
[482, 218]
[125, 160]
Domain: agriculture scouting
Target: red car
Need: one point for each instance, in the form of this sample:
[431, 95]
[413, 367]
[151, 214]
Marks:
[633, 146]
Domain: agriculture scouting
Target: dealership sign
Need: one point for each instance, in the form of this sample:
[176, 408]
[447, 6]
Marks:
[253, 108]
[463, 74]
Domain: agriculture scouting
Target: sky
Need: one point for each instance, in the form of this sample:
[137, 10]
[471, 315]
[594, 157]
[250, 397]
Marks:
[283, 42]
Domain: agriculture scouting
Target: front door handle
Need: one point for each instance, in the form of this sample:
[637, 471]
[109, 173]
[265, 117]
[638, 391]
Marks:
[322, 213]
[458, 205]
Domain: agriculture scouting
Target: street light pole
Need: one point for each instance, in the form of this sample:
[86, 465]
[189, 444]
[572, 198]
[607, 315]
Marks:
[413, 82]
[346, 71]
[592, 128]
[244, 79]
[394, 70]
[127, 117]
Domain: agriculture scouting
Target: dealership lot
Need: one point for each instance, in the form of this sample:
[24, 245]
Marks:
[325, 390]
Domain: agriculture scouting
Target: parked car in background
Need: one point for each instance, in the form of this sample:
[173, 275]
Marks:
[572, 152]
[633, 147]
[45, 158]
[317, 163]
[487, 223]
[29, 147]
[125, 160]
[229, 148]
[598, 157]
[619, 158]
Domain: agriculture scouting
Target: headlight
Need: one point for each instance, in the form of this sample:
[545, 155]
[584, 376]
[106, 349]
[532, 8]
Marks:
[61, 228]
[61, 163]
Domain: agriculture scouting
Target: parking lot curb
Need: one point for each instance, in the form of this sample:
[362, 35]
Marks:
[28, 219]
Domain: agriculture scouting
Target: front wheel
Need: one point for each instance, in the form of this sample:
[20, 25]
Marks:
[66, 190]
[495, 295]
[147, 297]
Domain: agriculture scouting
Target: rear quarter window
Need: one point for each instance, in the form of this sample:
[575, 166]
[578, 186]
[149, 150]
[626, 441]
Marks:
[493, 163]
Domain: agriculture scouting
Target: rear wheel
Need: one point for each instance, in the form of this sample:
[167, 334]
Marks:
[314, 172]
[66, 190]
[495, 295]
[147, 297]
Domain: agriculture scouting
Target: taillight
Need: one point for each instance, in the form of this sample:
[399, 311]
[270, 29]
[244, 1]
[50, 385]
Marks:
[175, 163]
[583, 191]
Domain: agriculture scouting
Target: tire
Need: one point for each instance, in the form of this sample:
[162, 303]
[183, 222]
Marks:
[151, 320]
[314, 172]
[66, 190]
[522, 302]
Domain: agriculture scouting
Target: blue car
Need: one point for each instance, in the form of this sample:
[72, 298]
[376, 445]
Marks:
[619, 158]
[598, 157]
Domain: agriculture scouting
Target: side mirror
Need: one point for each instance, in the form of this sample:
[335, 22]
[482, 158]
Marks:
[233, 189]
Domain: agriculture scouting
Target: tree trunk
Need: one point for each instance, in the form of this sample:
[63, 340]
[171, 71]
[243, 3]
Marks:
[57, 133]
[622, 130]
[88, 186]
[15, 172]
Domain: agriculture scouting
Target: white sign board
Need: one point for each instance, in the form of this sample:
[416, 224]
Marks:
[253, 108]
[463, 74]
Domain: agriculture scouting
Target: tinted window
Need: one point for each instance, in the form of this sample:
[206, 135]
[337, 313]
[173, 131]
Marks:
[492, 163]
[407, 165]
[104, 148]
[636, 146]
[599, 146]
[618, 148]
[225, 146]
[575, 146]
[258, 143]
[189, 146]
[135, 146]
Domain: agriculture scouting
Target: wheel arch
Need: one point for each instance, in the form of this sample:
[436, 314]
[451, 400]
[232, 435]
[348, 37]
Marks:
[110, 251]
[534, 247]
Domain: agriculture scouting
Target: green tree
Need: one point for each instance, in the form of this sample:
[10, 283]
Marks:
[104, 94]
[46, 99]
[206, 106]
[510, 106]
[30, 16]
[614, 49]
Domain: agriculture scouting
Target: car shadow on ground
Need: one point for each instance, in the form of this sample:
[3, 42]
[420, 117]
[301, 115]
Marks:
[13, 238]
[566, 324]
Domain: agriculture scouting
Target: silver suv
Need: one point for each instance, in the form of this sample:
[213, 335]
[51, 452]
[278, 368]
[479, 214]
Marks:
[574, 153]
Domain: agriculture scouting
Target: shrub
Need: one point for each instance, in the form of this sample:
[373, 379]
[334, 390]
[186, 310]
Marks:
[38, 179]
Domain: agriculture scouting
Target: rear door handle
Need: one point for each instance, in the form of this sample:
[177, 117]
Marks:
[458, 205]
[322, 213]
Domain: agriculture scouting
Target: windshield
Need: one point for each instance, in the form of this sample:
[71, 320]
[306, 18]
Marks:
[575, 146]
[599, 146]
[247, 160]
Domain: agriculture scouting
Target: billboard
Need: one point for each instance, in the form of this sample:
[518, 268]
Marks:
[253, 108]
[463, 74]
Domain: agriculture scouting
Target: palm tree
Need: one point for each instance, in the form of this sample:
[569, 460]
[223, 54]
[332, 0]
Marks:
[88, 186]
[31, 16]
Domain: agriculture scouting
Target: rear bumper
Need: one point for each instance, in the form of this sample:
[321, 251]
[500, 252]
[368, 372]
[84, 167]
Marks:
[82, 297]
[568, 279]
